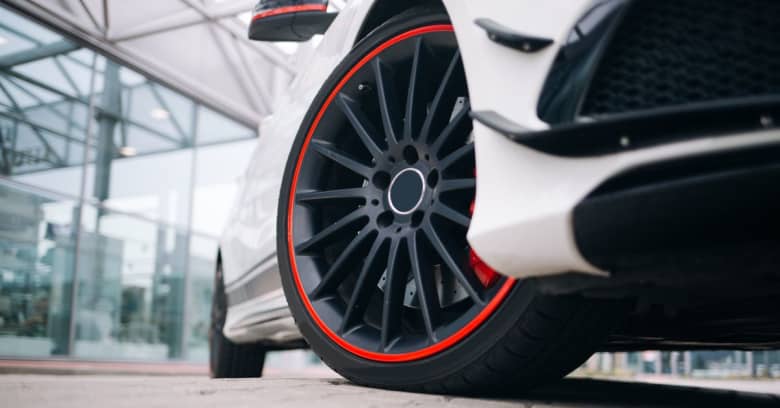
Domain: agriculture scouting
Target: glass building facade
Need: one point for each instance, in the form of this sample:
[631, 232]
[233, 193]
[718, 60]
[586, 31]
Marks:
[113, 189]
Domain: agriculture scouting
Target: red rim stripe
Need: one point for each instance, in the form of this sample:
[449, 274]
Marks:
[367, 354]
[290, 9]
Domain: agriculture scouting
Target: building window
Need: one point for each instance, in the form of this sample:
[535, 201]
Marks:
[102, 178]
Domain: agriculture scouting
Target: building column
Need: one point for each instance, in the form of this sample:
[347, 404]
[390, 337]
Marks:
[673, 363]
[659, 363]
[687, 364]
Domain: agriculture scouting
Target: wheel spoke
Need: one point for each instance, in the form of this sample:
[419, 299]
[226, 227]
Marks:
[364, 287]
[467, 281]
[460, 153]
[437, 116]
[365, 131]
[413, 98]
[329, 195]
[451, 214]
[392, 305]
[337, 271]
[426, 290]
[330, 233]
[456, 184]
[459, 125]
[328, 151]
[388, 100]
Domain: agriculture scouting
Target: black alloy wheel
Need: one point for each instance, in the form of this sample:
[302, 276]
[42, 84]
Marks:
[382, 203]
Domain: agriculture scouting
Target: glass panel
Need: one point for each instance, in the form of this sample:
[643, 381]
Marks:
[203, 259]
[43, 106]
[143, 141]
[49, 73]
[131, 288]
[21, 27]
[147, 106]
[36, 272]
[155, 186]
[215, 128]
[138, 265]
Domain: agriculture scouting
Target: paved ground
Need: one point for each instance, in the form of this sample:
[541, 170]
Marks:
[20, 391]
[764, 386]
[74, 367]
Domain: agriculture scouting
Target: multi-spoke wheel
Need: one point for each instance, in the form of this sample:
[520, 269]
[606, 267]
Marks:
[374, 210]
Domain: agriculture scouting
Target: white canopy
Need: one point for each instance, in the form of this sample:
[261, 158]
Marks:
[197, 46]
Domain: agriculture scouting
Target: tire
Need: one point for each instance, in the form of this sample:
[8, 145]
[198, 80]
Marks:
[228, 359]
[516, 336]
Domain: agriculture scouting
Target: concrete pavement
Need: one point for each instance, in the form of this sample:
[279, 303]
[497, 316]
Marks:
[21, 391]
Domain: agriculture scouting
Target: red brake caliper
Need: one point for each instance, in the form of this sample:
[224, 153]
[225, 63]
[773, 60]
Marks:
[486, 275]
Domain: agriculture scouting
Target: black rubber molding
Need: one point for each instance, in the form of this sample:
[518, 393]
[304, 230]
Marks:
[630, 131]
[714, 210]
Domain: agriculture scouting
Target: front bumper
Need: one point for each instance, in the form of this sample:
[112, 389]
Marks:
[564, 208]
[533, 177]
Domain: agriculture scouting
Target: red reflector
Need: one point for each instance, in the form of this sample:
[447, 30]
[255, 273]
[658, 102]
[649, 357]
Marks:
[486, 275]
[290, 9]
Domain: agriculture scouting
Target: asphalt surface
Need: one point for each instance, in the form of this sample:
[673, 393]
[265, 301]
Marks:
[19, 391]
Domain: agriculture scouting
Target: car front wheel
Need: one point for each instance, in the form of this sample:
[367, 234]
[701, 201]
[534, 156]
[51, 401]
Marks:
[374, 210]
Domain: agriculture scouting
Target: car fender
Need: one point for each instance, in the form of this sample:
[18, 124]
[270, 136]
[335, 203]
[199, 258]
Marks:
[250, 235]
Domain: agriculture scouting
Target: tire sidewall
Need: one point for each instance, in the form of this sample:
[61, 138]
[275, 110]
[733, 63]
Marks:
[411, 373]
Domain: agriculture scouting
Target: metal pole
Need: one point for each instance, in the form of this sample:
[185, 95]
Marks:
[74, 291]
[186, 314]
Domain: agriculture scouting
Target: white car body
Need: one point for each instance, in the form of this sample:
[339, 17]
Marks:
[521, 227]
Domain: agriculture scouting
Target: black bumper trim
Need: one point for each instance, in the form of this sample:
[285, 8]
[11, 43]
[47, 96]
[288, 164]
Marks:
[507, 37]
[670, 221]
[636, 130]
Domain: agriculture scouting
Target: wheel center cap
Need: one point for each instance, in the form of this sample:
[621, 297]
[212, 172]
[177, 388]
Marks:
[406, 191]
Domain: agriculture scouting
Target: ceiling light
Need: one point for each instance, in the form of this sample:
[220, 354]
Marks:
[159, 114]
[127, 151]
[3, 40]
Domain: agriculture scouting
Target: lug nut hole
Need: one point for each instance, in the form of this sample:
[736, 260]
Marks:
[433, 178]
[381, 180]
[417, 218]
[410, 155]
[385, 219]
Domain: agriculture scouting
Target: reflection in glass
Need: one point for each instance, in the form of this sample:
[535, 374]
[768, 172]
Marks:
[36, 272]
[131, 288]
[200, 287]
[106, 197]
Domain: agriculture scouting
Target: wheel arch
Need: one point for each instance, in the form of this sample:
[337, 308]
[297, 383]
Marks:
[383, 10]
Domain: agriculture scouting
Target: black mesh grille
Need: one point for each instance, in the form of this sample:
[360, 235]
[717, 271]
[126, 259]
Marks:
[673, 52]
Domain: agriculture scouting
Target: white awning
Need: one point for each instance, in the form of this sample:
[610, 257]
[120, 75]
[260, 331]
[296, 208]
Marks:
[197, 46]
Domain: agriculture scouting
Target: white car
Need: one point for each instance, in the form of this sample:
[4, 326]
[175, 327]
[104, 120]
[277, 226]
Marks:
[460, 195]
